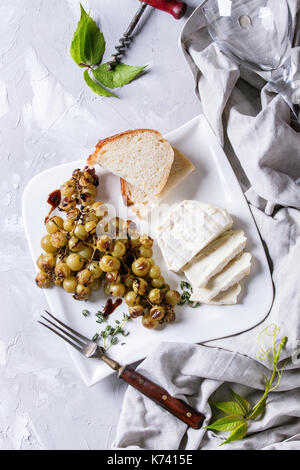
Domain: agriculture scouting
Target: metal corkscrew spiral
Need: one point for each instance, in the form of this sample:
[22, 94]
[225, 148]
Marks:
[174, 7]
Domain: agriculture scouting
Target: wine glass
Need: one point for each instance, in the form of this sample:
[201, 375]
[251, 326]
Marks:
[258, 35]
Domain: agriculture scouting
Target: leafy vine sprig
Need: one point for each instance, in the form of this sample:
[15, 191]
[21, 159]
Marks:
[87, 50]
[239, 412]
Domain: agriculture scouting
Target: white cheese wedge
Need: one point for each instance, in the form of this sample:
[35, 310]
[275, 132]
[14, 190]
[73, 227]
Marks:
[215, 257]
[231, 274]
[228, 297]
[190, 227]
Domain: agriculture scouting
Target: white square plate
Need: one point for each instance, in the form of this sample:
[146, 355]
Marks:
[214, 182]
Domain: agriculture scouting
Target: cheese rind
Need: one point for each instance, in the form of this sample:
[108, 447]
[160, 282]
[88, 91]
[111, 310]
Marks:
[231, 274]
[190, 227]
[228, 297]
[215, 257]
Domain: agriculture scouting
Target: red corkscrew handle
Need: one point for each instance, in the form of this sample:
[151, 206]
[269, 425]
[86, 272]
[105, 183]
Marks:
[175, 8]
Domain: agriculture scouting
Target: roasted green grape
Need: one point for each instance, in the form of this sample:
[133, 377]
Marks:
[109, 264]
[144, 252]
[113, 277]
[47, 245]
[43, 280]
[68, 188]
[82, 292]
[46, 262]
[58, 239]
[87, 195]
[75, 244]
[158, 281]
[90, 217]
[90, 227]
[128, 281]
[157, 312]
[170, 316]
[131, 298]
[85, 277]
[105, 244]
[86, 252]
[106, 288]
[95, 269]
[68, 225]
[172, 297]
[154, 272]
[74, 261]
[54, 224]
[73, 214]
[70, 284]
[155, 296]
[67, 204]
[62, 270]
[100, 209]
[140, 267]
[136, 311]
[89, 174]
[119, 250]
[140, 286]
[96, 284]
[117, 290]
[146, 241]
[80, 232]
[149, 322]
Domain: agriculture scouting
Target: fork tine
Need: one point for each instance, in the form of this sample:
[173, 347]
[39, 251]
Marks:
[67, 327]
[76, 340]
[61, 336]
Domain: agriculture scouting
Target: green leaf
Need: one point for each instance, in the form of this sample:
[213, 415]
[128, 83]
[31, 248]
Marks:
[256, 412]
[88, 44]
[121, 74]
[227, 423]
[244, 404]
[229, 407]
[96, 87]
[238, 434]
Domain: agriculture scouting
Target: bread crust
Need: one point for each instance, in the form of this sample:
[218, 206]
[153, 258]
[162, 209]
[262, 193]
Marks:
[92, 159]
[125, 193]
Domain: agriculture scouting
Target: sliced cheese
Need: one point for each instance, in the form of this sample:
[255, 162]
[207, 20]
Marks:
[215, 257]
[190, 227]
[231, 274]
[228, 297]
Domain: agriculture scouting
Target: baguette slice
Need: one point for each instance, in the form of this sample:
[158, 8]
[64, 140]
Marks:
[141, 202]
[141, 157]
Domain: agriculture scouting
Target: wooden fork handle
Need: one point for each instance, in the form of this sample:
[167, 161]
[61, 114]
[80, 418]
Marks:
[178, 408]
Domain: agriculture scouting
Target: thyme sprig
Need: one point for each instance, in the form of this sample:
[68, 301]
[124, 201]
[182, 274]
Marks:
[186, 294]
[239, 412]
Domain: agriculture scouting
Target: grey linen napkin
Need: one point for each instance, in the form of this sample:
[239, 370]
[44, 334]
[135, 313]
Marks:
[263, 145]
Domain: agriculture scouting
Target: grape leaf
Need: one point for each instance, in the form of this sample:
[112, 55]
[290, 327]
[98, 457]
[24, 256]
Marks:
[96, 87]
[227, 423]
[238, 434]
[121, 74]
[244, 404]
[229, 407]
[88, 44]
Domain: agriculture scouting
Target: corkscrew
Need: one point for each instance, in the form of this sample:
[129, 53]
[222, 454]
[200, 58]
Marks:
[173, 7]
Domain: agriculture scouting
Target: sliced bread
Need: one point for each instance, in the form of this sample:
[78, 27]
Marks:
[141, 157]
[141, 202]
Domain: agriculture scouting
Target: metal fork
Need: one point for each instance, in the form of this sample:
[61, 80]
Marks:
[155, 392]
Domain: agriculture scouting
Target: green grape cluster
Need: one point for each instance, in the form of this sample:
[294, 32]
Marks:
[78, 260]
